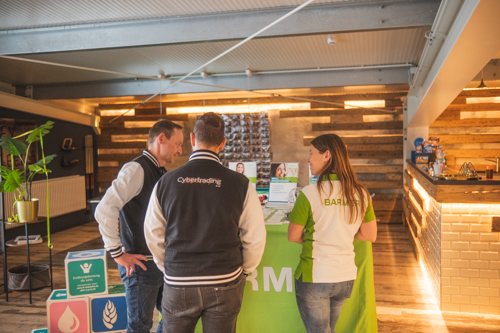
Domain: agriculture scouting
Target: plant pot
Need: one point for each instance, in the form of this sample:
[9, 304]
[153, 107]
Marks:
[27, 210]
[18, 277]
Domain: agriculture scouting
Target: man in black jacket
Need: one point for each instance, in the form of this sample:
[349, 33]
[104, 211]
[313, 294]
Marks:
[205, 229]
[121, 222]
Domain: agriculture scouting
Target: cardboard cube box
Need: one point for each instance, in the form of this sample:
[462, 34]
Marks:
[67, 314]
[39, 330]
[86, 273]
[108, 313]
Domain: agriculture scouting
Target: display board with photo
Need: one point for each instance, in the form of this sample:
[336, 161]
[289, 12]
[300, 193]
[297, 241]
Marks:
[284, 178]
[249, 169]
[248, 140]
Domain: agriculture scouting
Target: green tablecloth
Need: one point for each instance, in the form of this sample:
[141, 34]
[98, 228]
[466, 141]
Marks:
[269, 304]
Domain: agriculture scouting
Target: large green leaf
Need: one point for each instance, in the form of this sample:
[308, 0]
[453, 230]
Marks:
[48, 159]
[12, 180]
[13, 146]
[40, 131]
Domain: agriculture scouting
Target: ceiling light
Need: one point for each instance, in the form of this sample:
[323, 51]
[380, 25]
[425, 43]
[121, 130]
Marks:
[241, 108]
[364, 104]
[111, 113]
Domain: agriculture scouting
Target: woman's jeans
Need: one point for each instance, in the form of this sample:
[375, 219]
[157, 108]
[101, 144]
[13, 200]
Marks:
[320, 303]
[143, 291]
[218, 307]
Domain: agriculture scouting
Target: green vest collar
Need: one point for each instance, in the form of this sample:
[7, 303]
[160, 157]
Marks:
[331, 176]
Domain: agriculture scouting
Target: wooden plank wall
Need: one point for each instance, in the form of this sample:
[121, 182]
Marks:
[470, 132]
[374, 141]
[119, 144]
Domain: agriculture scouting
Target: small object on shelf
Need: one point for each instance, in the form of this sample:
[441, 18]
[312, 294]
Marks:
[66, 163]
[489, 171]
[33, 239]
[67, 144]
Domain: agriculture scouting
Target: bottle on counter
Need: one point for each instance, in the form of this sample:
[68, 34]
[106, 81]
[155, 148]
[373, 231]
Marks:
[440, 158]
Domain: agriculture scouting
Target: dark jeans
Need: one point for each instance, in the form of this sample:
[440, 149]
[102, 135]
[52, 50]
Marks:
[143, 291]
[217, 306]
[320, 303]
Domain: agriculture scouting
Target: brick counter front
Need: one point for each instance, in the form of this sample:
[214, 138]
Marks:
[455, 244]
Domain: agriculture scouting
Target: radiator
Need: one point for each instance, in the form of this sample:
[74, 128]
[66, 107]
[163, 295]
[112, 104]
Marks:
[66, 194]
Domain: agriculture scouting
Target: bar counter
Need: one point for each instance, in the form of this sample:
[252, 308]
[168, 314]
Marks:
[454, 228]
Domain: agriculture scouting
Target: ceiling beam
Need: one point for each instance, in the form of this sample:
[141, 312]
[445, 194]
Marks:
[471, 43]
[44, 109]
[132, 87]
[315, 19]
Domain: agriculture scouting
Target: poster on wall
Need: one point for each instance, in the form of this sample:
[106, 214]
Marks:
[13, 128]
[284, 178]
[249, 169]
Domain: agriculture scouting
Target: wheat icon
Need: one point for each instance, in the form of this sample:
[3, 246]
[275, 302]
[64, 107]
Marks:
[109, 315]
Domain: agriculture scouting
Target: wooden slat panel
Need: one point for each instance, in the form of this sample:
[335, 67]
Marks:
[396, 139]
[376, 154]
[473, 107]
[107, 174]
[414, 209]
[390, 202]
[422, 180]
[484, 122]
[408, 178]
[117, 145]
[124, 131]
[378, 168]
[394, 176]
[468, 138]
[476, 153]
[467, 193]
[362, 126]
[394, 216]
[337, 112]
[381, 184]
[417, 197]
[480, 93]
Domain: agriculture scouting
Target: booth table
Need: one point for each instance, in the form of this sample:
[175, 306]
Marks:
[269, 303]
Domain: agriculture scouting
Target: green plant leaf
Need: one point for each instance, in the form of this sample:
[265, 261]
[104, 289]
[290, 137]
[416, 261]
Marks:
[40, 131]
[13, 146]
[48, 159]
[13, 179]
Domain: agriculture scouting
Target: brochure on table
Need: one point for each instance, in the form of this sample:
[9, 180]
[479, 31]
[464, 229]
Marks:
[284, 178]
[34, 239]
[248, 169]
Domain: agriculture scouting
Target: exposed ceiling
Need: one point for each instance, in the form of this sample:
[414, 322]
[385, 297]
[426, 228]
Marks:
[79, 53]
[85, 51]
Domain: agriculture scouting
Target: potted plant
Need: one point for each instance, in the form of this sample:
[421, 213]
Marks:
[20, 181]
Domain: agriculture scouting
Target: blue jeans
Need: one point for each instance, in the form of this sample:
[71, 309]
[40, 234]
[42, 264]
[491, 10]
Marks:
[218, 307]
[320, 303]
[143, 291]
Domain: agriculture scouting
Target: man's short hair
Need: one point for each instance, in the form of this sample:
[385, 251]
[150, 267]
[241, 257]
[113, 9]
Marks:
[162, 126]
[209, 129]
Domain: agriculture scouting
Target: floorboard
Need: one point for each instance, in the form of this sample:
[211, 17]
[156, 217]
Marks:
[405, 303]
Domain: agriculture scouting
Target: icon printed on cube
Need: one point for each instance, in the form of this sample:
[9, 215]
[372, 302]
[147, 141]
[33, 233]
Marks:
[67, 315]
[86, 273]
[109, 312]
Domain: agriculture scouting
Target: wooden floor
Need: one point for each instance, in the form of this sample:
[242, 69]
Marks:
[404, 300]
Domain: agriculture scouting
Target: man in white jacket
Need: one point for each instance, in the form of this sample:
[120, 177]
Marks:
[205, 228]
[121, 222]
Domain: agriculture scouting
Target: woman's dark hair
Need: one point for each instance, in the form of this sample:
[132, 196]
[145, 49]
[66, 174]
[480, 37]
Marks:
[340, 165]
[209, 129]
[162, 126]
